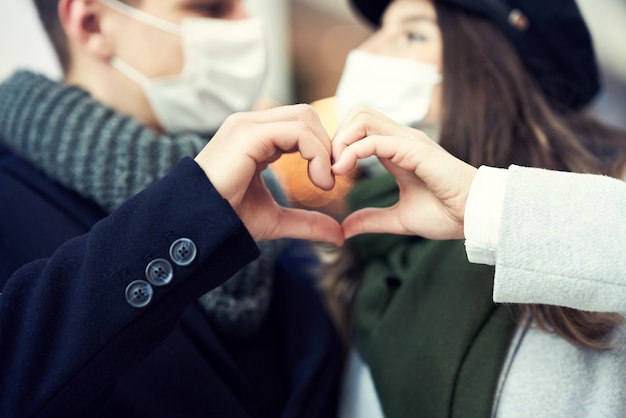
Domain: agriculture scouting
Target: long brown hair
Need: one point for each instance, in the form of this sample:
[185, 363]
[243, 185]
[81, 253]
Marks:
[494, 113]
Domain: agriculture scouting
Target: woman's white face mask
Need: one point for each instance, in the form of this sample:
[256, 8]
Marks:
[224, 70]
[400, 88]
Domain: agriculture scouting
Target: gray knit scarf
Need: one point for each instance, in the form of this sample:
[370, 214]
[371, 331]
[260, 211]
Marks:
[109, 157]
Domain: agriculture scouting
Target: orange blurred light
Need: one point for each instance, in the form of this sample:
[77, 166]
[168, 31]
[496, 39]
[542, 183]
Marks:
[291, 170]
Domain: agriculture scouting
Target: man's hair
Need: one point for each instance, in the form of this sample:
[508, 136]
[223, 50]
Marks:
[49, 17]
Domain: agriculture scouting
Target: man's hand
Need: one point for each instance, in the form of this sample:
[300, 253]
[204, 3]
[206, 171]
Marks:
[244, 146]
[433, 184]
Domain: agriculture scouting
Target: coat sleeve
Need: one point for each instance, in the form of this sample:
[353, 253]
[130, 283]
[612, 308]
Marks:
[562, 241]
[67, 330]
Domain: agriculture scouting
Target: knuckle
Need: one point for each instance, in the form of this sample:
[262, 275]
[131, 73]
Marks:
[358, 111]
[301, 126]
[238, 121]
[363, 117]
[306, 110]
[232, 120]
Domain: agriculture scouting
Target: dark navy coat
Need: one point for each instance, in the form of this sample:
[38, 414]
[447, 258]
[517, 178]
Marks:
[72, 344]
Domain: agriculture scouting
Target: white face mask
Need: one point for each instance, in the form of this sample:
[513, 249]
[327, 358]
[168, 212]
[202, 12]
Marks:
[224, 70]
[399, 88]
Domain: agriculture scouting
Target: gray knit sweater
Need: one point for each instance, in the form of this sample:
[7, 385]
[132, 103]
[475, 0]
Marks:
[108, 157]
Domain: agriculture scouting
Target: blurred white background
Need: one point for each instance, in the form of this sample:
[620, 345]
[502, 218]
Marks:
[22, 40]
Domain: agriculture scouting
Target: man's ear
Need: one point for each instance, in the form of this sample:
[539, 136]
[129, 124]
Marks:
[81, 21]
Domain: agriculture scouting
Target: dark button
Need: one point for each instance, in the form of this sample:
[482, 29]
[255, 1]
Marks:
[138, 294]
[183, 251]
[159, 272]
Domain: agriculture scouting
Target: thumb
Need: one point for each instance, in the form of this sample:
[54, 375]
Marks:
[308, 225]
[373, 220]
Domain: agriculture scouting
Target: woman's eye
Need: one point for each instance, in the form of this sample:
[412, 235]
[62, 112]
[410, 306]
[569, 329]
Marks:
[216, 10]
[415, 37]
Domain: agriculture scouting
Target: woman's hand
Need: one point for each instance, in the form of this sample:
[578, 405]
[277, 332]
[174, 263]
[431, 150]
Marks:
[433, 184]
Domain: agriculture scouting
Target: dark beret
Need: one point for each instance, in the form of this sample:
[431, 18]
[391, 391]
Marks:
[550, 35]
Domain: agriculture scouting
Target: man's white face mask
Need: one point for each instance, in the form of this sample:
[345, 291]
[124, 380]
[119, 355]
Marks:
[223, 73]
[399, 88]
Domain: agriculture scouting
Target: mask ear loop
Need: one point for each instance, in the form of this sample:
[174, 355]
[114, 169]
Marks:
[142, 16]
[129, 72]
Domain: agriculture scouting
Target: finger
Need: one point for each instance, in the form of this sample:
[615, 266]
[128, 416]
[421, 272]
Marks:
[348, 132]
[240, 149]
[392, 149]
[308, 225]
[319, 171]
[360, 123]
[373, 220]
[301, 112]
[347, 160]
[296, 136]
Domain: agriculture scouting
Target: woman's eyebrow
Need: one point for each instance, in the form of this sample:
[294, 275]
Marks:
[418, 18]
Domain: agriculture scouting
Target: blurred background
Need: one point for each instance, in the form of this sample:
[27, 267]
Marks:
[308, 41]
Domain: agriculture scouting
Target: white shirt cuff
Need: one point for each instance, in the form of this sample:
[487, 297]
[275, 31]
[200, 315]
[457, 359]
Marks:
[483, 212]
